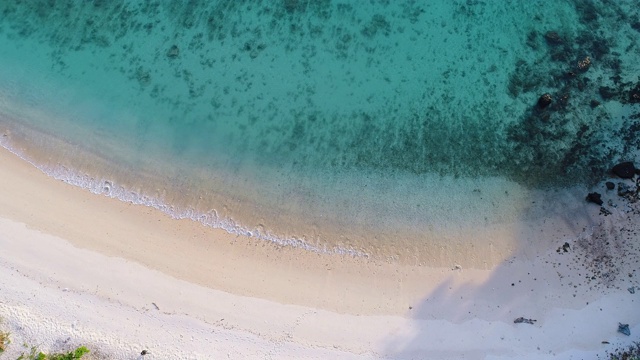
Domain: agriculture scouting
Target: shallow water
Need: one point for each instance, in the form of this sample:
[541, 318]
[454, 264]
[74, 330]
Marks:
[333, 125]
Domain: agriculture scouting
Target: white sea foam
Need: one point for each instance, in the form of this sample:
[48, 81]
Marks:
[109, 188]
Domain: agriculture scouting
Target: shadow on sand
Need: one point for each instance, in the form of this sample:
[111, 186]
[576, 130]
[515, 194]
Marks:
[470, 314]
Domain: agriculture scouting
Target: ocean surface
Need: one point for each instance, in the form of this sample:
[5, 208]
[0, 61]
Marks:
[370, 128]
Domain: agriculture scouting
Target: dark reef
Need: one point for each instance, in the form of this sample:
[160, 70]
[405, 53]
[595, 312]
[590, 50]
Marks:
[564, 137]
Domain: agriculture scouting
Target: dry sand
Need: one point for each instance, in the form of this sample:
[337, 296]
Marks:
[79, 268]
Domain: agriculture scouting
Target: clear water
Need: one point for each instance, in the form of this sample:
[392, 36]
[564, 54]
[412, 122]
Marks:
[357, 126]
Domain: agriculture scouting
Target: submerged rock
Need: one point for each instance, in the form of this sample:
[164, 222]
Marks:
[625, 170]
[544, 101]
[632, 290]
[624, 329]
[634, 94]
[610, 185]
[563, 101]
[595, 198]
[607, 93]
[584, 64]
[553, 38]
[173, 52]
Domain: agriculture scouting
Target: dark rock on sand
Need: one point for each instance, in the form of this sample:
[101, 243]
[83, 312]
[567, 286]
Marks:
[544, 101]
[594, 104]
[624, 329]
[610, 185]
[595, 198]
[625, 170]
[632, 290]
[566, 247]
[524, 320]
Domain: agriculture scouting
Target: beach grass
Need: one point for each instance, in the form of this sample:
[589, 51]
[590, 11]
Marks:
[4, 341]
[34, 354]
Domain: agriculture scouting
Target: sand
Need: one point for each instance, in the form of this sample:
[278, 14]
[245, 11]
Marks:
[84, 269]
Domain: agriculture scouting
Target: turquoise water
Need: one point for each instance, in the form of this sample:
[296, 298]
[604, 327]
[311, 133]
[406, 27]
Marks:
[320, 123]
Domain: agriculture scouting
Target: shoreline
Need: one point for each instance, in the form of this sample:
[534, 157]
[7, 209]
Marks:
[432, 241]
[189, 250]
[501, 222]
[74, 252]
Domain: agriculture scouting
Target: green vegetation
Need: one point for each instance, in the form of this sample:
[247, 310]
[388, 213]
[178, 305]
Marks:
[34, 354]
[4, 341]
[632, 353]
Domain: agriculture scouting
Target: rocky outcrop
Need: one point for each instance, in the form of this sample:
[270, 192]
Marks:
[625, 170]
[595, 198]
[544, 101]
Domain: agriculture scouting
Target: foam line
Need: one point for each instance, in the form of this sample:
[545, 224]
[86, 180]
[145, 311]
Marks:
[111, 189]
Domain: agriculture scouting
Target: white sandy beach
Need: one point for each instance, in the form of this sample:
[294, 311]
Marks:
[84, 269]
